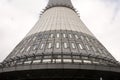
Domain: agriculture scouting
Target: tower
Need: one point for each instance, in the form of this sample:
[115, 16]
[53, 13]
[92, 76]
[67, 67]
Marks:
[59, 46]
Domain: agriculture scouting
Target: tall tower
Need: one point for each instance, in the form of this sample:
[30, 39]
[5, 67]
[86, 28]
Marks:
[59, 46]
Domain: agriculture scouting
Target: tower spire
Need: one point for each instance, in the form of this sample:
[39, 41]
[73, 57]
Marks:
[53, 3]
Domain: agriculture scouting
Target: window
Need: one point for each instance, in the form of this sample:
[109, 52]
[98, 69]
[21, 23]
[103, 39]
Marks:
[45, 36]
[19, 63]
[58, 35]
[34, 38]
[94, 49]
[87, 61]
[58, 60]
[66, 56]
[22, 50]
[87, 39]
[49, 45]
[76, 36]
[99, 50]
[28, 48]
[65, 45]
[57, 45]
[16, 52]
[51, 36]
[42, 45]
[28, 40]
[82, 37]
[77, 61]
[76, 57]
[27, 62]
[46, 60]
[70, 35]
[67, 60]
[87, 47]
[104, 52]
[95, 62]
[47, 56]
[34, 47]
[73, 45]
[101, 78]
[80, 46]
[36, 61]
[84, 57]
[64, 35]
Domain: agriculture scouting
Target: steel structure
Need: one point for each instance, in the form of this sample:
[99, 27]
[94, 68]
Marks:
[60, 46]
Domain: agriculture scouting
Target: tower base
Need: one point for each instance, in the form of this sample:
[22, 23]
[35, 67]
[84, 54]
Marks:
[60, 74]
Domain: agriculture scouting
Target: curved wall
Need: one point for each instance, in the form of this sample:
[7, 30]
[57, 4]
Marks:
[59, 18]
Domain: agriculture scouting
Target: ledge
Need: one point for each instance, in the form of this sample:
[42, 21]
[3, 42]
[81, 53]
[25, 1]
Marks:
[60, 66]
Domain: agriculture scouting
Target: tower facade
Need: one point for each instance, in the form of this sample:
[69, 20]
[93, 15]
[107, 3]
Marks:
[60, 46]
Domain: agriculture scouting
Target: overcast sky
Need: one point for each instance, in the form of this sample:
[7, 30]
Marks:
[17, 17]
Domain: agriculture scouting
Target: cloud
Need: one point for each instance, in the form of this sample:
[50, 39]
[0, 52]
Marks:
[116, 7]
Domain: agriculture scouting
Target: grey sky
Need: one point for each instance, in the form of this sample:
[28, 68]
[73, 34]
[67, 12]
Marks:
[17, 17]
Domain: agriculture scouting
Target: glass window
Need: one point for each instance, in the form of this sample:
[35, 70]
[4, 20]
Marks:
[76, 36]
[67, 60]
[27, 62]
[64, 35]
[95, 62]
[34, 47]
[66, 56]
[47, 56]
[58, 35]
[28, 48]
[22, 50]
[70, 35]
[34, 38]
[58, 60]
[54, 60]
[59, 56]
[77, 61]
[105, 52]
[80, 46]
[19, 63]
[49, 45]
[65, 45]
[51, 36]
[99, 50]
[94, 49]
[16, 52]
[84, 57]
[42, 45]
[87, 39]
[82, 37]
[87, 47]
[73, 45]
[87, 61]
[45, 36]
[28, 40]
[76, 57]
[57, 45]
[101, 78]
[46, 60]
[36, 61]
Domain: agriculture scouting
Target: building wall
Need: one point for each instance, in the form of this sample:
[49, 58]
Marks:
[59, 18]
